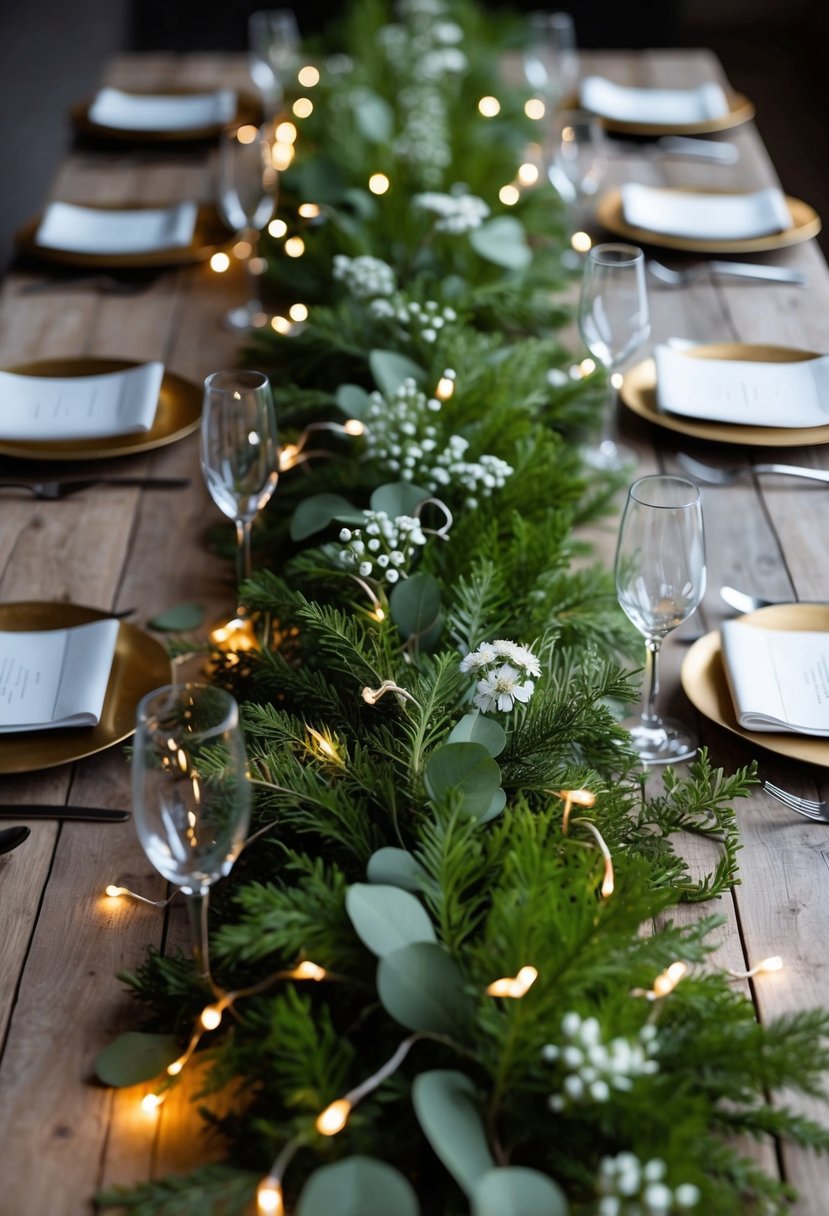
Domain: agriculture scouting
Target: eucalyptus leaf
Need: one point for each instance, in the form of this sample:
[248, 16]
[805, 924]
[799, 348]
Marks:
[178, 618]
[428, 641]
[317, 512]
[446, 1106]
[357, 1186]
[478, 728]
[316, 177]
[496, 806]
[421, 987]
[361, 202]
[352, 400]
[135, 1057]
[467, 767]
[398, 498]
[390, 370]
[395, 868]
[386, 918]
[374, 116]
[415, 604]
[517, 1191]
[502, 241]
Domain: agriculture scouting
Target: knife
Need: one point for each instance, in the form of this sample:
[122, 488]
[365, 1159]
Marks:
[752, 270]
[98, 814]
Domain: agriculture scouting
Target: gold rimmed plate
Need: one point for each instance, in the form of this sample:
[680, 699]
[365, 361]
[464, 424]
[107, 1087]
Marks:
[704, 681]
[740, 110]
[140, 664]
[805, 225]
[178, 414]
[638, 392]
[248, 110]
[210, 235]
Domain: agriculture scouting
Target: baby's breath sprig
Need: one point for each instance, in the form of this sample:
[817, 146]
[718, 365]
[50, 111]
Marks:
[593, 1067]
[383, 548]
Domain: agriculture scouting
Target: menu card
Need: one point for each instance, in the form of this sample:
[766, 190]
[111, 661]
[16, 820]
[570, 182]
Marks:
[778, 680]
[743, 391]
[55, 677]
[140, 112]
[711, 217]
[96, 230]
[79, 407]
[664, 107]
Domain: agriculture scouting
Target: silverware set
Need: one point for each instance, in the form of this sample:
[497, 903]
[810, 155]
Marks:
[810, 808]
[754, 271]
[718, 476]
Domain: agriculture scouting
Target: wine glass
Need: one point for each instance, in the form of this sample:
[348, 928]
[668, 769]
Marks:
[576, 164]
[273, 52]
[239, 452]
[247, 189]
[614, 321]
[660, 580]
[551, 61]
[191, 792]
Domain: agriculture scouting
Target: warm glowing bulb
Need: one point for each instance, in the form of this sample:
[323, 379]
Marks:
[582, 242]
[528, 174]
[298, 312]
[489, 106]
[257, 266]
[309, 971]
[773, 963]
[587, 367]
[150, 1103]
[580, 797]
[535, 108]
[219, 262]
[608, 882]
[285, 133]
[309, 211]
[277, 228]
[378, 614]
[516, 986]
[242, 250]
[323, 745]
[246, 134]
[308, 76]
[175, 1068]
[378, 183]
[334, 1118]
[509, 195]
[282, 326]
[115, 892]
[303, 107]
[210, 1017]
[294, 246]
[269, 1198]
[353, 426]
[281, 155]
[617, 379]
[670, 977]
[445, 388]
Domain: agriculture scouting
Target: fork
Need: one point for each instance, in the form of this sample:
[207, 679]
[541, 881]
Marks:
[726, 477]
[52, 490]
[737, 270]
[811, 808]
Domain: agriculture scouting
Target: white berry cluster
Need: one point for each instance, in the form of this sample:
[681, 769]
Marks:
[421, 320]
[364, 277]
[503, 668]
[629, 1187]
[402, 437]
[424, 140]
[593, 1067]
[384, 547]
[458, 212]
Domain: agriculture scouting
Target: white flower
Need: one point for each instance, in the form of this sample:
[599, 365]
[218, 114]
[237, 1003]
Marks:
[502, 689]
[687, 1195]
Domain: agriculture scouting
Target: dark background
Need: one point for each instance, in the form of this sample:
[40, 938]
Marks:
[52, 53]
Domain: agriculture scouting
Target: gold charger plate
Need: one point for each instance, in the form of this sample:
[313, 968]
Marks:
[704, 681]
[248, 110]
[178, 414]
[210, 234]
[740, 110]
[638, 392]
[805, 225]
[140, 665]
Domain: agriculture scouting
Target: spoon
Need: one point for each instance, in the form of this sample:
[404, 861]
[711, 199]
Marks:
[10, 838]
[740, 601]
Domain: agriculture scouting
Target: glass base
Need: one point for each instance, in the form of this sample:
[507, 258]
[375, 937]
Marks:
[608, 455]
[669, 743]
[246, 316]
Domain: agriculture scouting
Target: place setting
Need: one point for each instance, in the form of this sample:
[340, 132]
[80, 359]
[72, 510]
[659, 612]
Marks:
[167, 116]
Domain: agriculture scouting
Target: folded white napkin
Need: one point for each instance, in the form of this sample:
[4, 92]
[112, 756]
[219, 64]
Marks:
[139, 112]
[55, 677]
[44, 408]
[778, 680]
[95, 230]
[743, 391]
[664, 107]
[713, 217]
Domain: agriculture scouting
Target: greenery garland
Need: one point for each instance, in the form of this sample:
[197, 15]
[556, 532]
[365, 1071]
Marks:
[438, 667]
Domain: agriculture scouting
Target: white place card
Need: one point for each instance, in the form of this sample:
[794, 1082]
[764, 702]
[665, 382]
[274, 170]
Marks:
[706, 217]
[778, 680]
[55, 677]
[79, 407]
[663, 107]
[744, 392]
[141, 112]
[95, 230]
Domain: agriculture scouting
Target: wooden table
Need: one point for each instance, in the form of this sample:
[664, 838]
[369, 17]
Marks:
[61, 940]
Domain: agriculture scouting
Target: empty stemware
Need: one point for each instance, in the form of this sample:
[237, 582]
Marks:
[614, 321]
[191, 792]
[273, 50]
[551, 62]
[660, 580]
[576, 165]
[247, 198]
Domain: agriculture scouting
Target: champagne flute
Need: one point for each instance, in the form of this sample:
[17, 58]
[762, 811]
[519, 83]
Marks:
[273, 52]
[191, 793]
[576, 164]
[614, 321]
[247, 198]
[551, 61]
[660, 580]
[239, 452]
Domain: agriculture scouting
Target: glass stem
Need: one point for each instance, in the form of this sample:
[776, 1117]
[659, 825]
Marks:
[197, 908]
[243, 559]
[650, 718]
[254, 304]
[607, 443]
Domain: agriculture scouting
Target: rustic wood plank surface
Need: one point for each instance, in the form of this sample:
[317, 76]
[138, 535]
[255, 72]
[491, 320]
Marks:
[61, 940]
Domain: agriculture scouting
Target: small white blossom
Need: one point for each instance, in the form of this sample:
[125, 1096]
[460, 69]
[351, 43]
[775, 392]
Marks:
[364, 277]
[602, 1066]
[391, 546]
[630, 1187]
[457, 213]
